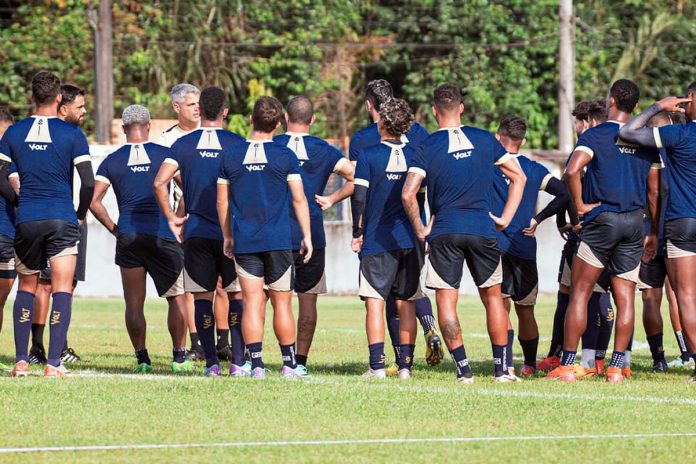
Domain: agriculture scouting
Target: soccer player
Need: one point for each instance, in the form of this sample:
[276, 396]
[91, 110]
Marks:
[517, 243]
[258, 181]
[390, 256]
[318, 160]
[377, 92]
[144, 243]
[8, 274]
[44, 150]
[197, 157]
[620, 177]
[679, 142]
[459, 163]
[71, 109]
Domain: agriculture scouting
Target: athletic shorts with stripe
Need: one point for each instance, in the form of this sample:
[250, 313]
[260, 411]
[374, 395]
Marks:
[570, 249]
[81, 265]
[162, 259]
[680, 235]
[274, 267]
[614, 241]
[653, 273]
[7, 260]
[38, 241]
[310, 277]
[395, 272]
[449, 252]
[520, 280]
[204, 262]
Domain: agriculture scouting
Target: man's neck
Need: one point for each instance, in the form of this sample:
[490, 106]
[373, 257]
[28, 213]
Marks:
[446, 123]
[256, 135]
[618, 115]
[298, 128]
[217, 123]
[187, 126]
[46, 110]
[137, 138]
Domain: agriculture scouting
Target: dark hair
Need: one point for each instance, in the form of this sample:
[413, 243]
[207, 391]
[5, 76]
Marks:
[212, 103]
[378, 92]
[396, 117]
[677, 117]
[5, 115]
[45, 86]
[300, 110]
[513, 127]
[447, 97]
[691, 89]
[70, 93]
[598, 110]
[582, 110]
[266, 114]
[626, 94]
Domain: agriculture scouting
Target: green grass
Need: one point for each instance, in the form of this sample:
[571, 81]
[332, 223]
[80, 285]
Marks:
[335, 404]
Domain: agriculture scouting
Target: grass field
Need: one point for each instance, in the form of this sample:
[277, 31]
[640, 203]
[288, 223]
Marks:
[652, 418]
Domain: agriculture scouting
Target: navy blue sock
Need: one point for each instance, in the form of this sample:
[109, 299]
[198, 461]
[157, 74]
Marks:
[205, 326]
[568, 358]
[617, 359]
[508, 348]
[142, 356]
[424, 313]
[500, 360]
[594, 322]
[606, 326]
[235, 321]
[529, 349]
[301, 359]
[22, 314]
[288, 354]
[406, 359]
[256, 355]
[376, 356]
[461, 362]
[179, 355]
[657, 349]
[392, 315]
[59, 322]
[557, 336]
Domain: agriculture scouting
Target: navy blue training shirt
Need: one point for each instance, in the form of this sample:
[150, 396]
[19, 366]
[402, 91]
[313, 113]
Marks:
[7, 212]
[197, 155]
[369, 136]
[131, 171]
[45, 149]
[679, 141]
[318, 160]
[258, 173]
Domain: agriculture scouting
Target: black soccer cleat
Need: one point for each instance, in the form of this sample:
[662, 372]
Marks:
[195, 354]
[660, 366]
[69, 356]
[224, 353]
[37, 355]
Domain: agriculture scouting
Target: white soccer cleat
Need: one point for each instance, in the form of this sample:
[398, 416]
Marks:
[375, 374]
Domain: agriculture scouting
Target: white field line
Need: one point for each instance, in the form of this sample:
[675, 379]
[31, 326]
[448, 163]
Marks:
[379, 441]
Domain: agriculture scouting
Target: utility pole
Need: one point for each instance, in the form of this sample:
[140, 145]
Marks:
[566, 88]
[103, 67]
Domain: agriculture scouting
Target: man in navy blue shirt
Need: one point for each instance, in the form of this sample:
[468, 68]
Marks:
[259, 181]
[144, 243]
[458, 162]
[679, 142]
[377, 92]
[44, 150]
[318, 160]
[611, 199]
[517, 242]
[8, 274]
[197, 157]
[390, 257]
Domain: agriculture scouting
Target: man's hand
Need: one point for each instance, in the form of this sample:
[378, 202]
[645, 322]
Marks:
[586, 208]
[672, 104]
[306, 249]
[228, 246]
[323, 202]
[649, 248]
[531, 230]
[176, 224]
[356, 244]
[500, 223]
[423, 232]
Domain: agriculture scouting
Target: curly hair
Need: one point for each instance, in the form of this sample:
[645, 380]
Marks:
[377, 92]
[396, 116]
[266, 114]
[626, 94]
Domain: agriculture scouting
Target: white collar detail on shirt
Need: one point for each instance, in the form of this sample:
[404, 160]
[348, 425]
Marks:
[209, 140]
[138, 155]
[256, 154]
[39, 131]
[458, 141]
[297, 145]
[397, 162]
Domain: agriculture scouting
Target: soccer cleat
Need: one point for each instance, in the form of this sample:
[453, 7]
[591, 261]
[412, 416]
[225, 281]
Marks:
[186, 366]
[224, 353]
[287, 372]
[258, 373]
[302, 369]
[563, 374]
[195, 354]
[465, 379]
[599, 365]
[527, 371]
[375, 374]
[212, 371]
[143, 368]
[679, 363]
[238, 371]
[614, 375]
[582, 372]
[660, 366]
[433, 348]
[20, 369]
[507, 378]
[69, 356]
[548, 364]
[404, 374]
[626, 372]
[37, 355]
[57, 372]
[393, 370]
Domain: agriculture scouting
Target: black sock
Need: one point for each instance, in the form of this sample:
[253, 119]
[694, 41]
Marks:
[397, 352]
[568, 358]
[500, 360]
[376, 356]
[617, 359]
[205, 326]
[392, 315]
[405, 361]
[508, 349]
[235, 320]
[461, 362]
[656, 347]
[61, 312]
[557, 336]
[529, 349]
[256, 354]
[301, 359]
[223, 338]
[142, 356]
[37, 333]
[424, 313]
[22, 314]
[179, 355]
[195, 342]
[288, 354]
[606, 327]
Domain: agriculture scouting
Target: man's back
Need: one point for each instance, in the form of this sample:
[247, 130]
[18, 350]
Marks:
[679, 141]
[369, 136]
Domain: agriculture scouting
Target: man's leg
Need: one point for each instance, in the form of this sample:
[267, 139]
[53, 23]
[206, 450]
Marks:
[684, 349]
[591, 334]
[236, 312]
[652, 322]
[374, 327]
[37, 352]
[497, 323]
[221, 308]
[624, 295]
[446, 300]
[134, 291]
[176, 323]
[682, 275]
[528, 334]
[392, 315]
[407, 335]
[205, 327]
[253, 321]
[196, 351]
[284, 326]
[62, 273]
[22, 316]
[306, 325]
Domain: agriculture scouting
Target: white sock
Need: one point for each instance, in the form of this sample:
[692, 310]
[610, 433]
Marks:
[627, 359]
[588, 358]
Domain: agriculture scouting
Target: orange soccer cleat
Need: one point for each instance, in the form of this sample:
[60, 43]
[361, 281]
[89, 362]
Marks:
[614, 375]
[549, 363]
[599, 364]
[585, 372]
[626, 372]
[562, 373]
[20, 369]
[58, 372]
[527, 371]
